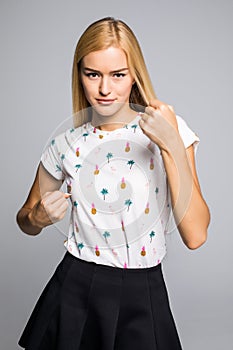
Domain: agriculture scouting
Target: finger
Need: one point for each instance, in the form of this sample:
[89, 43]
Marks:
[67, 195]
[171, 108]
[144, 117]
[156, 103]
[52, 197]
[152, 112]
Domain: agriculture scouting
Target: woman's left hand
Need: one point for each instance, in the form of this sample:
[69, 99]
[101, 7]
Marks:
[159, 124]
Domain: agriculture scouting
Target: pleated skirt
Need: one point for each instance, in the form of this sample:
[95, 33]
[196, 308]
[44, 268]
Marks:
[89, 306]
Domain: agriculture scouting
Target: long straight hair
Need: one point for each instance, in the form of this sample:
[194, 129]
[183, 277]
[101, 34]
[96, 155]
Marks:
[101, 35]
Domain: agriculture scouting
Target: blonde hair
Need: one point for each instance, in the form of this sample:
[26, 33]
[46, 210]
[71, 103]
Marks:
[100, 35]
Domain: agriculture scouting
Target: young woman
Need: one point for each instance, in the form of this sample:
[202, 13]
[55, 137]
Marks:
[127, 162]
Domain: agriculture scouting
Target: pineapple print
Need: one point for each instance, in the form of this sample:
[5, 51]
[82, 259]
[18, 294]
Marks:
[96, 172]
[77, 152]
[143, 251]
[101, 136]
[127, 147]
[97, 252]
[122, 225]
[93, 209]
[125, 265]
[123, 184]
[147, 209]
[152, 164]
[94, 131]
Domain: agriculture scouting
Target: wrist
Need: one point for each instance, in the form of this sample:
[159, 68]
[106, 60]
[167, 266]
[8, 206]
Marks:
[173, 146]
[36, 226]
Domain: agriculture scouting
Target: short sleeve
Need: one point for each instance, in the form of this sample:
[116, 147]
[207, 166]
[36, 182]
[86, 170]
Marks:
[188, 136]
[52, 159]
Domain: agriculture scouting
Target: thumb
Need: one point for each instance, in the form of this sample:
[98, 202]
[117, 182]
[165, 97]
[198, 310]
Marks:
[67, 195]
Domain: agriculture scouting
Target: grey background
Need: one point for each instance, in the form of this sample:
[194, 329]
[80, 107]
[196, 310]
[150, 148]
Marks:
[188, 49]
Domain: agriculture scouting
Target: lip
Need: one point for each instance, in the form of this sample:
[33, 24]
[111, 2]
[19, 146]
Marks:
[105, 101]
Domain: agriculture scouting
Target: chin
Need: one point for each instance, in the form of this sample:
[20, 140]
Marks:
[106, 110]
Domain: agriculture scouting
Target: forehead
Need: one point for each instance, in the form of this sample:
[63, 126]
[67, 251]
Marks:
[112, 58]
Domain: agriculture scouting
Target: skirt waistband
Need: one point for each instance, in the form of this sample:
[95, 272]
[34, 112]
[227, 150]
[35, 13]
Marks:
[112, 269]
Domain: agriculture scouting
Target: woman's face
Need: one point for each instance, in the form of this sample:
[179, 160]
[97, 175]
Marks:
[106, 80]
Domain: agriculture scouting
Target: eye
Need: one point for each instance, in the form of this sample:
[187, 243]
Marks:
[119, 75]
[92, 75]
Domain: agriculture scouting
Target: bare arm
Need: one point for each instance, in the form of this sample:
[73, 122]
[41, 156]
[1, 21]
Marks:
[44, 205]
[190, 210]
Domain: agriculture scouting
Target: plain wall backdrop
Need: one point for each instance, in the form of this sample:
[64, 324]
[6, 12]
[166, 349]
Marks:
[188, 50]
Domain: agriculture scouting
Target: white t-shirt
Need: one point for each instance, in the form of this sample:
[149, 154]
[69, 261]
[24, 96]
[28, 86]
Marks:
[120, 195]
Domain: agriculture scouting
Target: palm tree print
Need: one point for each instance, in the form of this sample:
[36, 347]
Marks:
[152, 234]
[131, 163]
[85, 135]
[134, 126]
[80, 246]
[106, 234]
[72, 236]
[156, 190]
[104, 191]
[75, 204]
[128, 202]
[58, 167]
[71, 130]
[53, 142]
[78, 166]
[109, 155]
[62, 157]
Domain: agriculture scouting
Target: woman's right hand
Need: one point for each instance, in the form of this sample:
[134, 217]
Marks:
[50, 208]
[45, 204]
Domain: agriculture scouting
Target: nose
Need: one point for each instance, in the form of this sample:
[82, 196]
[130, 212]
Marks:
[105, 86]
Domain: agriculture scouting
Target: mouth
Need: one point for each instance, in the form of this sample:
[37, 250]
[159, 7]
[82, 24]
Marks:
[104, 101]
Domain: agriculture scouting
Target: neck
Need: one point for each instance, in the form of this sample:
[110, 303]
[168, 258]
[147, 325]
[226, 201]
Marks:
[113, 122]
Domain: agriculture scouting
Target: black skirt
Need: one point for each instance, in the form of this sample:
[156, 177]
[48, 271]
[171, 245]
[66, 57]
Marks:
[88, 306]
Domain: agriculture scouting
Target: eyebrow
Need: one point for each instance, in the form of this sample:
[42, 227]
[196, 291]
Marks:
[96, 71]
